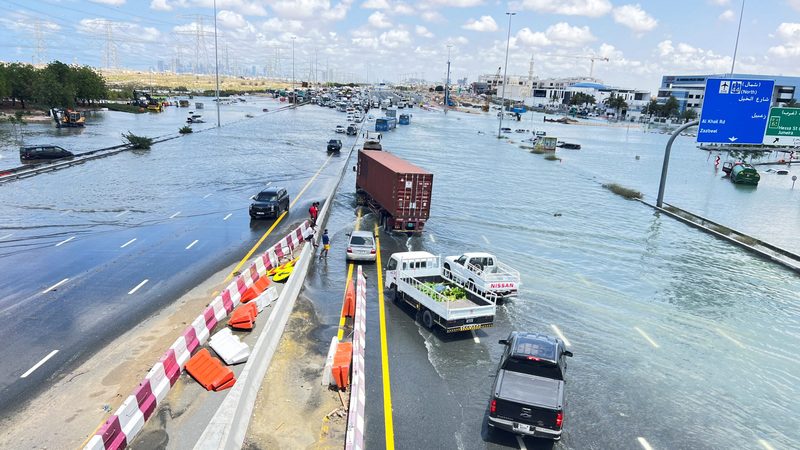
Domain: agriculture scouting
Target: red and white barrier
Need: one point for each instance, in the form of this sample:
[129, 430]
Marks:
[355, 418]
[129, 419]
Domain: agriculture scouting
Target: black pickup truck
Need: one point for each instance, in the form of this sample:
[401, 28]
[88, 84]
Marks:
[528, 392]
[334, 145]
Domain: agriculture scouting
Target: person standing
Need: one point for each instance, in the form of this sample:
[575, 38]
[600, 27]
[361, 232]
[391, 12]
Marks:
[326, 244]
[313, 212]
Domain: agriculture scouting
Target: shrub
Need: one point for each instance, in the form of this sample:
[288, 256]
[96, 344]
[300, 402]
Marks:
[186, 129]
[628, 193]
[138, 142]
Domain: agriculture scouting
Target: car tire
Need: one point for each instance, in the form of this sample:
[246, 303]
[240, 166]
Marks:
[427, 319]
[394, 294]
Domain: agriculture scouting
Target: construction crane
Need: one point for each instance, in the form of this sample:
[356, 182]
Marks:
[488, 94]
[593, 58]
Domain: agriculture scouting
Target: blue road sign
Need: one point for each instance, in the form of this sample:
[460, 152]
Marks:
[735, 111]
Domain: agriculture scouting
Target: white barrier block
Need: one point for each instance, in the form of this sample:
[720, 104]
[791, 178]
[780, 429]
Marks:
[95, 443]
[181, 352]
[326, 371]
[200, 329]
[219, 309]
[159, 383]
[272, 292]
[268, 296]
[229, 347]
[131, 419]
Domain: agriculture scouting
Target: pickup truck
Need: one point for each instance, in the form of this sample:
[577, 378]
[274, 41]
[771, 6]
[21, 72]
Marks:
[528, 392]
[415, 278]
[334, 145]
[484, 273]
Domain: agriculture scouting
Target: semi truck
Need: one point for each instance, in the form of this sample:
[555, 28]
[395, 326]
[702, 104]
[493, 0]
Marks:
[398, 191]
[415, 278]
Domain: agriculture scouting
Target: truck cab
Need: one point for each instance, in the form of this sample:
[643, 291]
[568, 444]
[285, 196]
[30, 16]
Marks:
[528, 395]
[422, 263]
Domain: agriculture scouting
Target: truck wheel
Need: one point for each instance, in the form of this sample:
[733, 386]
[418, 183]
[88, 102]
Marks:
[427, 319]
[394, 294]
[447, 267]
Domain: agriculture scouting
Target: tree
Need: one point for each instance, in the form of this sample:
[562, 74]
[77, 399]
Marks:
[670, 108]
[89, 85]
[689, 114]
[5, 90]
[20, 78]
[652, 108]
[617, 103]
[581, 98]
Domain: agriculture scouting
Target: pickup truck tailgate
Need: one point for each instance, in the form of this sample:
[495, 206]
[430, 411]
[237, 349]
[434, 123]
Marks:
[529, 399]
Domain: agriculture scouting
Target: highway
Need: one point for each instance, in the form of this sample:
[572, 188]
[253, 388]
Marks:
[93, 250]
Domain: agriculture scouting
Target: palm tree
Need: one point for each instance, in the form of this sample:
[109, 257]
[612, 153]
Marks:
[617, 103]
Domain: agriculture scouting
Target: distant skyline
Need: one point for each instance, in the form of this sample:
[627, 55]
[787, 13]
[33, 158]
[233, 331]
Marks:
[388, 40]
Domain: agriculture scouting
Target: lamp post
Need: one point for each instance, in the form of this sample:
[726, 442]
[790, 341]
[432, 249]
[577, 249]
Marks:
[294, 97]
[447, 82]
[505, 76]
[216, 61]
[736, 46]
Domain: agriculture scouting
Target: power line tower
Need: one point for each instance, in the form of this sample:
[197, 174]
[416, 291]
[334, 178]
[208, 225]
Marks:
[111, 47]
[200, 45]
[40, 54]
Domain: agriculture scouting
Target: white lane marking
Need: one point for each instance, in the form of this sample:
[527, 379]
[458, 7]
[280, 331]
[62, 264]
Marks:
[649, 339]
[128, 243]
[53, 287]
[122, 213]
[65, 241]
[432, 238]
[521, 443]
[643, 442]
[174, 215]
[6, 236]
[137, 287]
[192, 244]
[476, 338]
[729, 337]
[227, 217]
[208, 195]
[39, 364]
[766, 445]
[66, 212]
[486, 240]
[560, 334]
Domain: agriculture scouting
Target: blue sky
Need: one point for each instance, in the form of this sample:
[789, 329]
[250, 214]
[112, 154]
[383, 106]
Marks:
[392, 39]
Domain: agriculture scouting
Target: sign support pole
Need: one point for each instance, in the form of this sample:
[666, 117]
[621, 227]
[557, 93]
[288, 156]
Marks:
[667, 151]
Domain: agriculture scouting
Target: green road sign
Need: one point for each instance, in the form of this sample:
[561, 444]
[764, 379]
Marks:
[783, 127]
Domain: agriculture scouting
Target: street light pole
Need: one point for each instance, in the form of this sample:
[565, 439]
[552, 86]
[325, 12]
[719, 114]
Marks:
[216, 61]
[736, 46]
[505, 76]
[447, 82]
[665, 166]
[294, 97]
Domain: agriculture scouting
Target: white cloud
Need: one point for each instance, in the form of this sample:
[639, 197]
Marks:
[720, 2]
[160, 5]
[109, 2]
[375, 4]
[432, 16]
[311, 9]
[566, 35]
[688, 58]
[794, 4]
[275, 24]
[458, 40]
[395, 38]
[403, 9]
[378, 20]
[457, 3]
[589, 8]
[485, 23]
[635, 18]
[727, 16]
[530, 38]
[789, 33]
[230, 19]
[424, 32]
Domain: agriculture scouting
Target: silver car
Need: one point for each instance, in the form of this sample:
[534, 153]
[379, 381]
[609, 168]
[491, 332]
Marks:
[361, 246]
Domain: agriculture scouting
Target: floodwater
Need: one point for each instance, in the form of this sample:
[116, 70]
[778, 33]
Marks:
[679, 338]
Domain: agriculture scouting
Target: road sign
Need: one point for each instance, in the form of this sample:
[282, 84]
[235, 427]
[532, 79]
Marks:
[783, 127]
[735, 111]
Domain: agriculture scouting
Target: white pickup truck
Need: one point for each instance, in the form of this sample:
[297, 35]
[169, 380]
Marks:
[483, 273]
[416, 278]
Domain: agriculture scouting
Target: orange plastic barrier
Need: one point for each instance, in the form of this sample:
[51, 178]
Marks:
[244, 317]
[350, 301]
[209, 371]
[255, 290]
[341, 364]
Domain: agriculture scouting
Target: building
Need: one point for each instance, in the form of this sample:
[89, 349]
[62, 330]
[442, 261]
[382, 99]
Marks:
[688, 90]
[559, 91]
[517, 87]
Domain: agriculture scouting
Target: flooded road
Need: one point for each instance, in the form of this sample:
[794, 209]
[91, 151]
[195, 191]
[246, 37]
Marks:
[680, 339]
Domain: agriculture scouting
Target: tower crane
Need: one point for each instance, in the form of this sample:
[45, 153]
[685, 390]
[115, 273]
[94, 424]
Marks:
[488, 94]
[593, 58]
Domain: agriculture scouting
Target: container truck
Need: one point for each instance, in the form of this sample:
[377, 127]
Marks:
[398, 191]
[415, 278]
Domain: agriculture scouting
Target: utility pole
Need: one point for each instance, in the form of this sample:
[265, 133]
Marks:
[294, 97]
[505, 73]
[447, 82]
[736, 46]
[216, 61]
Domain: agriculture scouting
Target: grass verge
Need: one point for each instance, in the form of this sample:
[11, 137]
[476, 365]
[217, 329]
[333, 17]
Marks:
[630, 194]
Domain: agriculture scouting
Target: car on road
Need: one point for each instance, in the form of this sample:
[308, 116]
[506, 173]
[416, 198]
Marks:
[528, 391]
[372, 145]
[340, 129]
[352, 129]
[269, 203]
[334, 145]
[361, 246]
[43, 152]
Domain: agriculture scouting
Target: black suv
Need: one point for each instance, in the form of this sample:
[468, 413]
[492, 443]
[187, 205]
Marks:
[269, 203]
[40, 152]
[334, 145]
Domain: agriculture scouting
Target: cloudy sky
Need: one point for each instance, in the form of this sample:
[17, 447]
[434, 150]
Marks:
[393, 39]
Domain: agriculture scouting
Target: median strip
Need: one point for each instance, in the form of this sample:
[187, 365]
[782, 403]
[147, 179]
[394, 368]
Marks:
[39, 364]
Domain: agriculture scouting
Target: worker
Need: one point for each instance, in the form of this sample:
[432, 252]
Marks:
[326, 244]
[313, 212]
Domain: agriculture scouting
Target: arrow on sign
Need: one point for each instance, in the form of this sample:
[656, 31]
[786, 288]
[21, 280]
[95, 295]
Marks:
[733, 138]
[776, 140]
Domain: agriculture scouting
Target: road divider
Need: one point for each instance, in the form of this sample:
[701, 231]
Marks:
[354, 438]
[209, 371]
[229, 347]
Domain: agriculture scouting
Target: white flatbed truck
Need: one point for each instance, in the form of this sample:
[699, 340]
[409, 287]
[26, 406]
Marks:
[483, 273]
[410, 277]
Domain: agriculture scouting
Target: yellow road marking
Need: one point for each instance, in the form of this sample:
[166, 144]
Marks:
[260, 241]
[388, 423]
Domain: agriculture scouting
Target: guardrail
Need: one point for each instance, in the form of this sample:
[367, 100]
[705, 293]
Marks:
[354, 437]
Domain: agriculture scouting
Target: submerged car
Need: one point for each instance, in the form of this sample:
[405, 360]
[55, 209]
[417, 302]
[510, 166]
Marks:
[43, 152]
[269, 203]
[361, 246]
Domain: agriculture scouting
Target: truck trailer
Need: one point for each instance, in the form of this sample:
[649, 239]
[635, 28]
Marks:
[398, 191]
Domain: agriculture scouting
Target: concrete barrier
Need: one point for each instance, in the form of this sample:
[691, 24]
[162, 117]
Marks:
[354, 438]
[229, 347]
